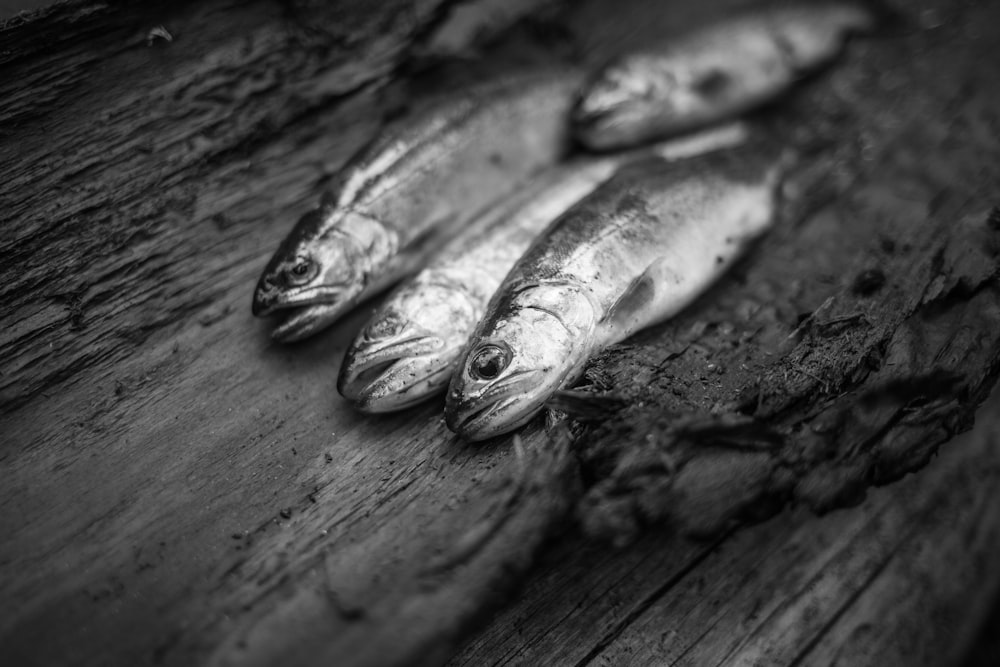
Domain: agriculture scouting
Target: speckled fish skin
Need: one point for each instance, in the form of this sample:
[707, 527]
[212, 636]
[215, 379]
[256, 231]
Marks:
[637, 250]
[407, 351]
[409, 348]
[712, 74]
[397, 198]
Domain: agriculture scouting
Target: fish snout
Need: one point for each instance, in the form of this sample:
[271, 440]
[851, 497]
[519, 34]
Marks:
[611, 89]
[600, 100]
[264, 298]
[394, 376]
[480, 420]
[268, 292]
[481, 410]
[458, 414]
[591, 110]
[596, 127]
[403, 385]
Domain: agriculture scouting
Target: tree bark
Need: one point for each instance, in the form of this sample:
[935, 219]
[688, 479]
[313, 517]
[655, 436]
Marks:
[180, 490]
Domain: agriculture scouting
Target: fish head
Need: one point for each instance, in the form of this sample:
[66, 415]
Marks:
[320, 270]
[534, 340]
[810, 35]
[625, 102]
[408, 349]
[642, 97]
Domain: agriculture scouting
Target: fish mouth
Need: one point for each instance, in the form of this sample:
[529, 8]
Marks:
[396, 376]
[382, 399]
[497, 411]
[609, 127]
[264, 304]
[304, 321]
[604, 97]
[304, 313]
[268, 300]
[395, 384]
[493, 419]
[588, 114]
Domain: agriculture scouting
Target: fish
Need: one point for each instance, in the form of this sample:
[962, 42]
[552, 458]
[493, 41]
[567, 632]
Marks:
[634, 252]
[712, 74]
[407, 351]
[398, 198]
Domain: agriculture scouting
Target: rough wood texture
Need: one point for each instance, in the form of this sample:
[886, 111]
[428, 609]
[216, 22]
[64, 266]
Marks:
[166, 467]
[178, 489]
[863, 332]
[902, 579]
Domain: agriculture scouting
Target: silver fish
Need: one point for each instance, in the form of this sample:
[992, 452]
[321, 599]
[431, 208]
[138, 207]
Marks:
[634, 252]
[409, 348]
[712, 74]
[395, 201]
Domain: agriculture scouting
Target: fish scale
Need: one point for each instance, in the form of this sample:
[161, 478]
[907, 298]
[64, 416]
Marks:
[400, 197]
[711, 74]
[411, 344]
[634, 252]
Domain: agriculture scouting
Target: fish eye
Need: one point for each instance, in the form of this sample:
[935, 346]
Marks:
[384, 327]
[302, 271]
[489, 362]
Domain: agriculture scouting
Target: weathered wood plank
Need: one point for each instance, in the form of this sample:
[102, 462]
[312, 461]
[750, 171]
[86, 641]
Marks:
[859, 337]
[891, 581]
[176, 487]
[182, 467]
[124, 157]
[901, 579]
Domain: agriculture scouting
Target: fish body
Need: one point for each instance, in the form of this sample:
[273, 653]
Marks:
[395, 201]
[634, 252]
[409, 348]
[712, 74]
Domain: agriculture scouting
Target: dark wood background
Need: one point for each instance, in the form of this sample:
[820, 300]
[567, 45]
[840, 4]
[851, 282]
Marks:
[178, 489]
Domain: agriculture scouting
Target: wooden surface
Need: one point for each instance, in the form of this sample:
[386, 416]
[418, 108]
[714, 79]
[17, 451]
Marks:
[164, 462]
[178, 489]
[902, 579]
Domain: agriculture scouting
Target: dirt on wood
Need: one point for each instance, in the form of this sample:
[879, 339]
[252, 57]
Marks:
[179, 489]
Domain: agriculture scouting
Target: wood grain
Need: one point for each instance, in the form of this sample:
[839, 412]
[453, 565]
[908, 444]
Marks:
[902, 579]
[158, 474]
[860, 335]
[180, 490]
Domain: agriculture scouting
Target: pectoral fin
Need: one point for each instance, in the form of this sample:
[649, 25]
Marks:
[666, 287]
[646, 300]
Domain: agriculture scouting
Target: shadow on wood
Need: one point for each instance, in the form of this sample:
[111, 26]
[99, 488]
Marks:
[179, 489]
